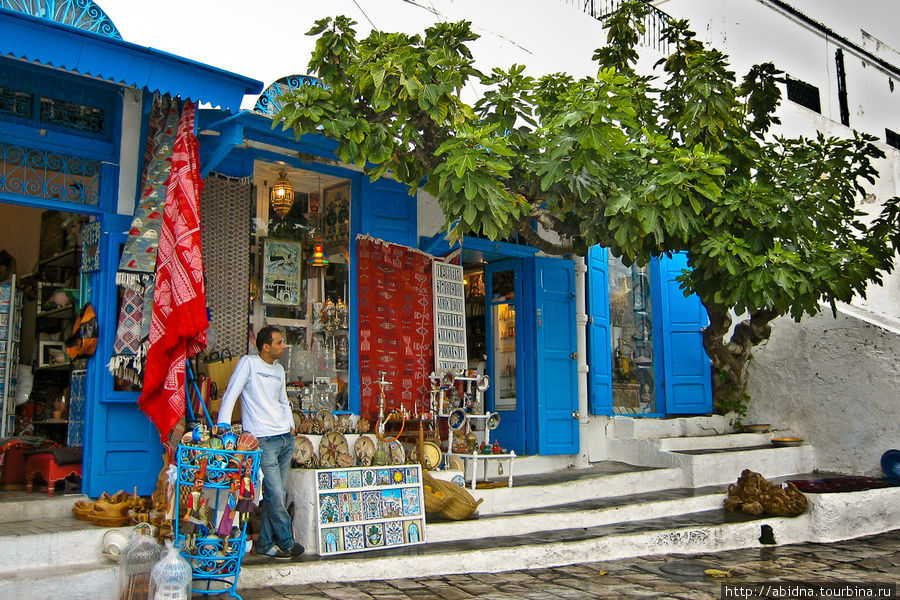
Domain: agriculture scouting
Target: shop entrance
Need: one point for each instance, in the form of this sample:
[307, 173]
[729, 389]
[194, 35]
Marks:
[521, 333]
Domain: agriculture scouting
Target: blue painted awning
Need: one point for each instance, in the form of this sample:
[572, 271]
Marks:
[55, 45]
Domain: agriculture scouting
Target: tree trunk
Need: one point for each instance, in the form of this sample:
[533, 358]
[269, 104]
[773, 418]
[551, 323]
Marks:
[731, 360]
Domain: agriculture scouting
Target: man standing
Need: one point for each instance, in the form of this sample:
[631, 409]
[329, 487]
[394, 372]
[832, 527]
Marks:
[267, 415]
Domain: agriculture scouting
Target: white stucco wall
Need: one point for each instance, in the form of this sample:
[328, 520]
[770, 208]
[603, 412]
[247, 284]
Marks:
[834, 382]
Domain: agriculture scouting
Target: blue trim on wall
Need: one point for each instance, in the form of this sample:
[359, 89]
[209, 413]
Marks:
[54, 45]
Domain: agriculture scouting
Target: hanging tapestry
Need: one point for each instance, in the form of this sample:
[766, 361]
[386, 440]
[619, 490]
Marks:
[136, 267]
[396, 332]
[179, 323]
[77, 398]
[225, 214]
[90, 247]
[281, 273]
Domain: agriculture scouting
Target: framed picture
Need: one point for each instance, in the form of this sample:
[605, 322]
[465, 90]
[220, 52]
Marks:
[281, 273]
[52, 354]
[336, 212]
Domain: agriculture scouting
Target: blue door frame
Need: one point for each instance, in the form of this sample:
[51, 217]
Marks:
[513, 432]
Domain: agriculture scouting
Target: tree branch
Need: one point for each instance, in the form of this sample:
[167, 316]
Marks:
[533, 238]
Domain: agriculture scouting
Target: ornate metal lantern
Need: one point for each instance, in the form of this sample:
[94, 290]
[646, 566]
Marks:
[282, 195]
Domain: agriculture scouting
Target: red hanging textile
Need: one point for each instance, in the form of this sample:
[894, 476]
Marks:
[396, 324]
[179, 323]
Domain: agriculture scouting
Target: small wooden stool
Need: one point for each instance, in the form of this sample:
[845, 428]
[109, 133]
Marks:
[52, 465]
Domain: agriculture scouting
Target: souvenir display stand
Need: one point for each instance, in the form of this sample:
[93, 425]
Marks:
[210, 477]
[369, 508]
[462, 414]
[10, 331]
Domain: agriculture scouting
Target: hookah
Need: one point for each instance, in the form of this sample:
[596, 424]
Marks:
[383, 419]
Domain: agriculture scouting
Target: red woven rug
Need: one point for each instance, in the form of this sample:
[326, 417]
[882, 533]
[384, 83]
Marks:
[396, 330]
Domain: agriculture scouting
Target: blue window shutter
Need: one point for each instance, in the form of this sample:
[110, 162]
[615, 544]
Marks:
[556, 369]
[686, 367]
[388, 212]
[598, 341]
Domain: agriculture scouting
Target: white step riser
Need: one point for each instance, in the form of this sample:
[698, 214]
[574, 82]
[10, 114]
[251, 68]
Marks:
[726, 467]
[734, 440]
[830, 517]
[505, 499]
[40, 507]
[80, 547]
[637, 428]
[521, 524]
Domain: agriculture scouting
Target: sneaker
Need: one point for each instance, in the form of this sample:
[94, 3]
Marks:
[296, 550]
[276, 552]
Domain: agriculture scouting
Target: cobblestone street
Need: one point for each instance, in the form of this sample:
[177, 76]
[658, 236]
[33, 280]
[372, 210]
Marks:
[873, 559]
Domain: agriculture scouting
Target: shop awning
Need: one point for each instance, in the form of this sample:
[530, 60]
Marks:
[51, 44]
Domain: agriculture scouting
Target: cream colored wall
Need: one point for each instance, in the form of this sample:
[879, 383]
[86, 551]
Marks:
[22, 239]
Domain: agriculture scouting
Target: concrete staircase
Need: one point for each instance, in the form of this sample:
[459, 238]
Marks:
[663, 501]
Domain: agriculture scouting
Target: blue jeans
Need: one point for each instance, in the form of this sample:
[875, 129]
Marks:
[275, 522]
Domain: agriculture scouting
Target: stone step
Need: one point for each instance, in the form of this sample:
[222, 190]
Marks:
[22, 506]
[51, 542]
[830, 517]
[711, 467]
[584, 514]
[639, 428]
[602, 480]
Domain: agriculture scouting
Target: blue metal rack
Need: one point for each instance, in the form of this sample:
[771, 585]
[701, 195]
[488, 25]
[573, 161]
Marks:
[215, 562]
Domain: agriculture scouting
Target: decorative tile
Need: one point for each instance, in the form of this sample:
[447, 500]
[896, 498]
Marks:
[328, 508]
[369, 477]
[354, 479]
[374, 535]
[398, 476]
[411, 506]
[371, 505]
[325, 480]
[344, 507]
[331, 541]
[459, 480]
[393, 533]
[413, 531]
[354, 537]
[391, 503]
[412, 475]
[384, 477]
[338, 480]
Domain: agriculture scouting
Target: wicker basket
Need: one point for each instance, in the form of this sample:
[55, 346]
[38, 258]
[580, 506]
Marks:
[434, 500]
[459, 504]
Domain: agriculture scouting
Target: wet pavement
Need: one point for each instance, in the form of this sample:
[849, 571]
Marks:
[867, 560]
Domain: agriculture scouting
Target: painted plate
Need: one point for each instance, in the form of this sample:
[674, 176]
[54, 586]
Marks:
[298, 418]
[431, 455]
[493, 421]
[327, 419]
[457, 419]
[364, 450]
[455, 463]
[333, 444]
[396, 453]
[303, 449]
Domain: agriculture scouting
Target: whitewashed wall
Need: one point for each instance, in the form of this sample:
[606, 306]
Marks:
[835, 383]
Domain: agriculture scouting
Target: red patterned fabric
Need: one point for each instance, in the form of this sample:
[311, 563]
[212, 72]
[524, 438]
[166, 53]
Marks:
[396, 324]
[178, 328]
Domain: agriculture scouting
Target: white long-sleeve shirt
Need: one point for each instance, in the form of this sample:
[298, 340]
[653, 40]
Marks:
[265, 408]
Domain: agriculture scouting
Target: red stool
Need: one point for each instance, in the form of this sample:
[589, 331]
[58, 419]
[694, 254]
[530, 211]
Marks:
[52, 465]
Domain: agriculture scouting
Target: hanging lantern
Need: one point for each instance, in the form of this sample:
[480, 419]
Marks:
[282, 195]
[318, 258]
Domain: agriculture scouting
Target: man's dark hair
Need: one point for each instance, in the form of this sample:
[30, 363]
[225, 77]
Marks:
[265, 336]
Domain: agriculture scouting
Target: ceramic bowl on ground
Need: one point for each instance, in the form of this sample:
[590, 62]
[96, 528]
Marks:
[756, 428]
[786, 442]
[890, 464]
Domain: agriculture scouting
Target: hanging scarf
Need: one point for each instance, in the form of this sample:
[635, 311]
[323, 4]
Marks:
[138, 262]
[179, 321]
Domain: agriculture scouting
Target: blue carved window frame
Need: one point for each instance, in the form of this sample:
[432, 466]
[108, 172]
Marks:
[58, 142]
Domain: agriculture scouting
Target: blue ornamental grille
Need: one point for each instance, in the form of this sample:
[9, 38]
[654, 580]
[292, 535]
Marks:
[81, 14]
[268, 102]
[49, 175]
[15, 103]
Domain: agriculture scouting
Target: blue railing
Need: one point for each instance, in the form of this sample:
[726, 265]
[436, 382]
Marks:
[655, 21]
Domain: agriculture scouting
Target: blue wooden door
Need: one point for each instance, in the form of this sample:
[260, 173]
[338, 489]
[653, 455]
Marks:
[598, 341]
[555, 358]
[382, 209]
[686, 367]
[121, 445]
[504, 310]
